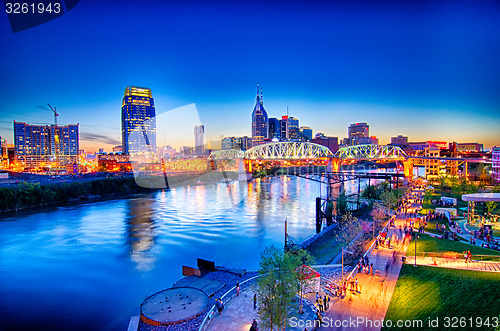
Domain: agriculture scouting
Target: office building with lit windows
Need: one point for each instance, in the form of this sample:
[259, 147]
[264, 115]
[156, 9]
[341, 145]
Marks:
[46, 146]
[495, 163]
[199, 139]
[307, 132]
[260, 128]
[359, 134]
[274, 128]
[138, 122]
[238, 143]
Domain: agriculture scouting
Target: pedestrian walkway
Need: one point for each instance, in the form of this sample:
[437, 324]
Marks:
[466, 233]
[239, 313]
[370, 301]
[375, 292]
[488, 266]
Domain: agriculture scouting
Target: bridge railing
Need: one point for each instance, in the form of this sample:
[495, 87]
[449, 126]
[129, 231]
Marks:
[225, 297]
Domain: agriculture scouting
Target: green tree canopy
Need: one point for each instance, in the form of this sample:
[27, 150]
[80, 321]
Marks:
[278, 286]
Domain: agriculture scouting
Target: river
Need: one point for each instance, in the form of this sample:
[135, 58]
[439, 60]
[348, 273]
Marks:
[89, 266]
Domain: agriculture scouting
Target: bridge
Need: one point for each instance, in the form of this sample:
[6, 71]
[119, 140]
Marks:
[291, 154]
[371, 152]
[285, 150]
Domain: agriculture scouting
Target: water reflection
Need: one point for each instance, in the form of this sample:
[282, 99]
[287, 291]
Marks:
[140, 232]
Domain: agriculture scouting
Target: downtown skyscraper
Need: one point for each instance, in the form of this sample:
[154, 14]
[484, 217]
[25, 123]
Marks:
[260, 130]
[199, 139]
[138, 122]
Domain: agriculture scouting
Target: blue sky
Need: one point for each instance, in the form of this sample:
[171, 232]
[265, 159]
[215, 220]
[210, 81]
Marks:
[426, 69]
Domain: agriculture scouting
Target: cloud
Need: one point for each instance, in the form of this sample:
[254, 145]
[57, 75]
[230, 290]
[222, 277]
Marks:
[95, 137]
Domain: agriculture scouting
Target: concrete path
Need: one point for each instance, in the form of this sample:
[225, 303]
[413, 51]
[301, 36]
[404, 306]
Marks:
[489, 266]
[467, 234]
[370, 302]
[375, 292]
[239, 313]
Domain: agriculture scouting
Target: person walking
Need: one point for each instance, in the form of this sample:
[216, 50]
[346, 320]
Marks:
[237, 289]
[327, 302]
[320, 304]
[219, 306]
[254, 326]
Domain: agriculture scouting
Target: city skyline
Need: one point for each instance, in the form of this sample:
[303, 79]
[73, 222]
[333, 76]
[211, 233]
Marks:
[426, 71]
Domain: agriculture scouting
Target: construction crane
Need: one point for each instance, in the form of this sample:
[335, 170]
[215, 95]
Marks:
[56, 137]
[55, 113]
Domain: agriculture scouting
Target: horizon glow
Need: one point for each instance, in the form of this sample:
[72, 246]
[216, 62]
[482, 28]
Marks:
[428, 71]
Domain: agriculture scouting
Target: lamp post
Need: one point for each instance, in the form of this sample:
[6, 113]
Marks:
[343, 262]
[415, 265]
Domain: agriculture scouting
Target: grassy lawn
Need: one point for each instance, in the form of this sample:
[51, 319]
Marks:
[428, 244]
[429, 292]
[324, 250]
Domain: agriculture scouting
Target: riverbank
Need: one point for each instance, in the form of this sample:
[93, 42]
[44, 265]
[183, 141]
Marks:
[32, 195]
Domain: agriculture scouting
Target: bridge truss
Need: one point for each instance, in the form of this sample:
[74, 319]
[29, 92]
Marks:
[226, 154]
[371, 152]
[288, 150]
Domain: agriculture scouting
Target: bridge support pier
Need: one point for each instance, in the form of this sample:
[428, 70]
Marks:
[408, 169]
[333, 165]
[243, 175]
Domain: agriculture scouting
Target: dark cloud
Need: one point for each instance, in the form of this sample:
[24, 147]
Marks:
[99, 138]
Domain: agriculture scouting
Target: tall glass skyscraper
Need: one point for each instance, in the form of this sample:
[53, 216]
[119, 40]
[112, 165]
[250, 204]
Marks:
[199, 139]
[274, 128]
[260, 129]
[138, 121]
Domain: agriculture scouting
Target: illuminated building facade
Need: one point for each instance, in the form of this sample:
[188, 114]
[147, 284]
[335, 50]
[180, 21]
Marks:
[284, 133]
[358, 134]
[399, 140]
[469, 147]
[138, 121]
[46, 146]
[331, 142]
[274, 128]
[495, 163]
[260, 129]
[238, 143]
[307, 132]
[293, 128]
[199, 139]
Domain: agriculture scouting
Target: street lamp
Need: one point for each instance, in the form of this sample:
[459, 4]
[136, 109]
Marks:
[343, 262]
[415, 265]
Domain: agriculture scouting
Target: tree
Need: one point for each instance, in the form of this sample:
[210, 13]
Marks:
[389, 199]
[276, 287]
[349, 228]
[341, 206]
[369, 192]
[377, 214]
[491, 205]
[301, 257]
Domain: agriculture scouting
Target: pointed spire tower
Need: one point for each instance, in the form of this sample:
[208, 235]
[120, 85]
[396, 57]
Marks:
[260, 123]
